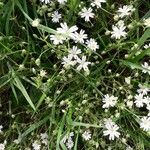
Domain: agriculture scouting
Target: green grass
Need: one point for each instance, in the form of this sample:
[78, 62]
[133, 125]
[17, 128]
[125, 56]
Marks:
[71, 101]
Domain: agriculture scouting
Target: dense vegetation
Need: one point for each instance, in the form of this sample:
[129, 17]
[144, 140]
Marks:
[74, 74]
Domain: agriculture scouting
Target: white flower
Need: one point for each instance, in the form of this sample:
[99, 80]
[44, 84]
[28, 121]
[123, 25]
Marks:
[92, 44]
[111, 130]
[73, 53]
[146, 68]
[45, 1]
[128, 80]
[36, 22]
[69, 143]
[1, 127]
[129, 104]
[118, 30]
[109, 148]
[146, 46]
[148, 108]
[97, 3]
[43, 73]
[68, 140]
[36, 145]
[125, 11]
[120, 23]
[44, 138]
[57, 38]
[45, 142]
[67, 61]
[33, 70]
[139, 100]
[147, 100]
[66, 31]
[86, 14]
[145, 123]
[56, 16]
[86, 135]
[109, 101]
[38, 61]
[129, 148]
[108, 121]
[143, 90]
[2, 146]
[83, 64]
[62, 1]
[17, 141]
[67, 136]
[147, 22]
[79, 37]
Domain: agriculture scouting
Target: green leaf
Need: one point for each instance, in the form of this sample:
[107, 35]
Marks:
[141, 42]
[147, 15]
[141, 55]
[60, 131]
[41, 100]
[14, 91]
[7, 26]
[134, 65]
[33, 127]
[144, 37]
[4, 80]
[23, 91]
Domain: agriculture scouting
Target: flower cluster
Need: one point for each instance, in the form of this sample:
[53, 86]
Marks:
[67, 139]
[119, 29]
[80, 71]
[37, 144]
[142, 98]
[66, 33]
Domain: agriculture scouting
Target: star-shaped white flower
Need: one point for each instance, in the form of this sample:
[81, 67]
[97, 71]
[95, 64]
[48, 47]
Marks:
[92, 44]
[61, 1]
[86, 14]
[145, 123]
[139, 100]
[83, 64]
[146, 68]
[57, 39]
[73, 53]
[118, 31]
[86, 135]
[111, 130]
[36, 145]
[56, 16]
[97, 3]
[80, 37]
[125, 11]
[147, 22]
[67, 61]
[66, 31]
[109, 101]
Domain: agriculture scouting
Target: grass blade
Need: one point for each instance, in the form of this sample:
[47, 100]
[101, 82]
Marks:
[23, 91]
[33, 127]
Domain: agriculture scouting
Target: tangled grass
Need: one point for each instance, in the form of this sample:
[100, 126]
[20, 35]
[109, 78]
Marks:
[74, 74]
